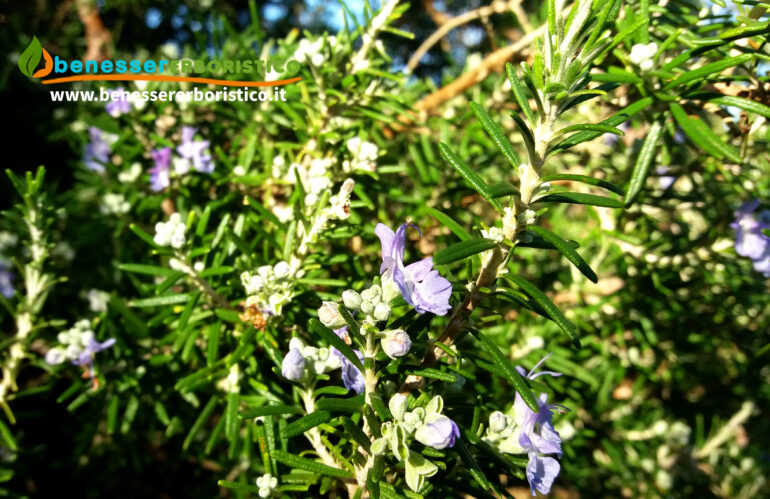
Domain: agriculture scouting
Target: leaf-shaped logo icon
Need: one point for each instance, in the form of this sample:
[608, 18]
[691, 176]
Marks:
[29, 59]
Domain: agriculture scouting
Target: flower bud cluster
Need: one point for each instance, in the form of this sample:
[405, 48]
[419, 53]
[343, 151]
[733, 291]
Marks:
[493, 233]
[114, 204]
[231, 382]
[364, 155]
[77, 345]
[317, 179]
[339, 204]
[643, 56]
[313, 52]
[270, 288]
[369, 302]
[170, 233]
[267, 484]
[304, 362]
[426, 425]
[501, 433]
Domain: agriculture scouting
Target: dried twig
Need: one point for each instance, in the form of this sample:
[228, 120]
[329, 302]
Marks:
[496, 7]
[97, 35]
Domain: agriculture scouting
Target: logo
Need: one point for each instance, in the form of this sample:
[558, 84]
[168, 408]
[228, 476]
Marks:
[30, 58]
[152, 70]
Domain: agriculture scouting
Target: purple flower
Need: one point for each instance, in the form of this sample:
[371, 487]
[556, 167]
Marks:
[293, 365]
[541, 472]
[749, 239]
[97, 152]
[420, 285]
[352, 377]
[762, 264]
[159, 174]
[118, 105]
[537, 435]
[193, 150]
[438, 432]
[86, 357]
[6, 281]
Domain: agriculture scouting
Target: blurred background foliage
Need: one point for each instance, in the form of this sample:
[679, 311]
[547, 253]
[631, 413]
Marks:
[670, 392]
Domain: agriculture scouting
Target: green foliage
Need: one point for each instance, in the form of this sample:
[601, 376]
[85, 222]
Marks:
[588, 193]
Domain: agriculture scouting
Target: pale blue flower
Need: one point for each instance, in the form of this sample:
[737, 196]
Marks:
[195, 150]
[6, 281]
[438, 432]
[749, 239]
[420, 285]
[86, 357]
[537, 435]
[352, 377]
[293, 365]
[118, 105]
[160, 173]
[97, 152]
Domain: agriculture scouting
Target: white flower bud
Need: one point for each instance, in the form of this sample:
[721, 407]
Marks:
[352, 299]
[329, 315]
[367, 307]
[497, 422]
[396, 343]
[397, 406]
[281, 270]
[381, 312]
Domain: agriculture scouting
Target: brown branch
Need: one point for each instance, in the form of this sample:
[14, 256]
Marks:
[98, 37]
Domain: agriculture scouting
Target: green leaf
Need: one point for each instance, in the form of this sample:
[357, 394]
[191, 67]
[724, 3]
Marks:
[432, 373]
[703, 136]
[308, 465]
[704, 71]
[518, 92]
[449, 222]
[139, 268]
[238, 486]
[29, 59]
[232, 424]
[580, 198]
[539, 243]
[547, 305]
[621, 116]
[473, 467]
[353, 431]
[616, 76]
[469, 175]
[157, 301]
[142, 235]
[269, 410]
[503, 189]
[644, 160]
[351, 404]
[590, 127]
[628, 31]
[305, 423]
[187, 312]
[566, 250]
[463, 249]
[200, 421]
[496, 134]
[730, 100]
[584, 179]
[332, 339]
[502, 362]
